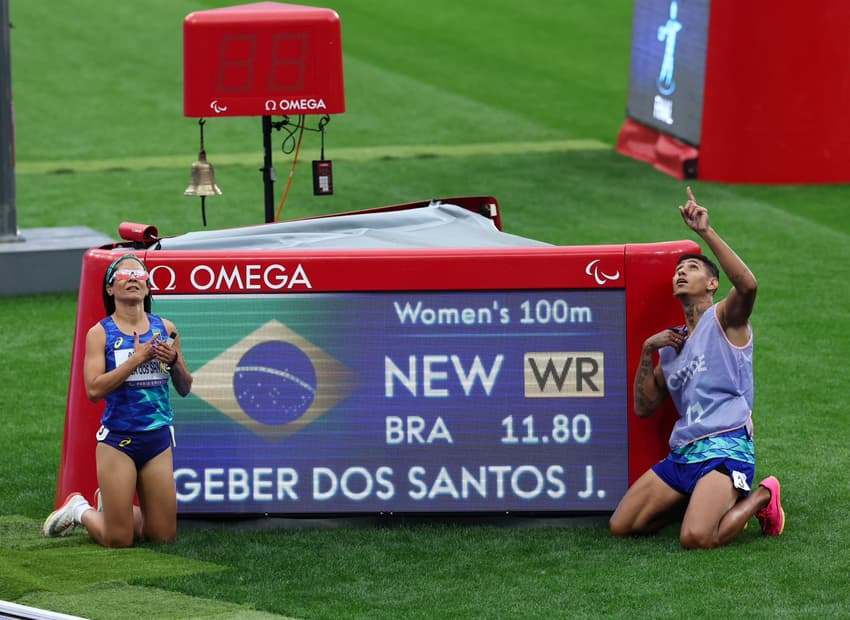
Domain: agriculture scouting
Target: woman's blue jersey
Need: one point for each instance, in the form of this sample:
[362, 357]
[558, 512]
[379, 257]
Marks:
[142, 402]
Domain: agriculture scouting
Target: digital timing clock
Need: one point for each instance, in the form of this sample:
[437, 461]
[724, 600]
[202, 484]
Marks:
[262, 59]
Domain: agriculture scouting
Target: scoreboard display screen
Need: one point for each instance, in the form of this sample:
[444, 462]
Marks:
[420, 401]
[667, 71]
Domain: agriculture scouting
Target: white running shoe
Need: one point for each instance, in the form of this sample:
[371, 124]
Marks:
[61, 521]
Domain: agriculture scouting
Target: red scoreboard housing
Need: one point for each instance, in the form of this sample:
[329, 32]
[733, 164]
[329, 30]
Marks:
[470, 378]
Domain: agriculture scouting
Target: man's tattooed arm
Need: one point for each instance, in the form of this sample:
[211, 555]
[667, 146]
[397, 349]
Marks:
[649, 388]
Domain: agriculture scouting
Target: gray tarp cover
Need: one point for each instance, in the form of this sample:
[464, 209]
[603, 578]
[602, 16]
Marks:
[435, 226]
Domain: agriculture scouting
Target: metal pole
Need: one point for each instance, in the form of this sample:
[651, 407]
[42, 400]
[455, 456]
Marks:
[267, 169]
[8, 214]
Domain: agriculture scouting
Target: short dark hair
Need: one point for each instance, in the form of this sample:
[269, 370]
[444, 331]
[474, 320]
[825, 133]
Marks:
[705, 260]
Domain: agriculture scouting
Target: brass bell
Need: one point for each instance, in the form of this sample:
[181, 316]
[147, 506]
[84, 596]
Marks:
[202, 180]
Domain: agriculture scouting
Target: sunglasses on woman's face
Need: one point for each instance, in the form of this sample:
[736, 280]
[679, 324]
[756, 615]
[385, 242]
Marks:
[139, 275]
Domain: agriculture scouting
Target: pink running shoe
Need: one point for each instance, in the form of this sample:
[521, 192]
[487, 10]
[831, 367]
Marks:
[772, 516]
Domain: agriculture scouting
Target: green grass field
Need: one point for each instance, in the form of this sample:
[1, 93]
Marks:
[519, 101]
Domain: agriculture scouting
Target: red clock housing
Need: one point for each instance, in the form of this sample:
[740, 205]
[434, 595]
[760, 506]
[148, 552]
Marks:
[262, 59]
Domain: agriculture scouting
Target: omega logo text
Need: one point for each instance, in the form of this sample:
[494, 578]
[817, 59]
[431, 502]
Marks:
[297, 105]
[226, 278]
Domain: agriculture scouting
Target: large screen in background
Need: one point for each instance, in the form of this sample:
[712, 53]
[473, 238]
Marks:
[667, 73]
[431, 401]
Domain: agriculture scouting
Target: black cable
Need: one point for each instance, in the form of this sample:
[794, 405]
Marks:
[289, 142]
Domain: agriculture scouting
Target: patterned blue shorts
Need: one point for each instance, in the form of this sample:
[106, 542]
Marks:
[683, 477]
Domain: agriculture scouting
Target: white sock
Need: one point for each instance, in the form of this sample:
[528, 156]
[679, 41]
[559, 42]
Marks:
[79, 510]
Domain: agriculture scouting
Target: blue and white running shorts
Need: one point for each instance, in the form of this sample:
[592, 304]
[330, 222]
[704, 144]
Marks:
[683, 477]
